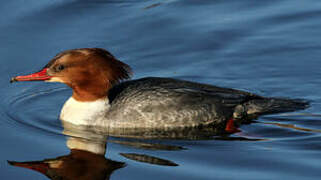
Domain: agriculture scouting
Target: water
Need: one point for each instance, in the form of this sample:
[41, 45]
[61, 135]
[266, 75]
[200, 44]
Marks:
[271, 48]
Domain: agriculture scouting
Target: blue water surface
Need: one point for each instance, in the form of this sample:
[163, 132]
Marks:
[271, 48]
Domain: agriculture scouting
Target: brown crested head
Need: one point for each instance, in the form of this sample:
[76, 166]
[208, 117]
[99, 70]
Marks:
[90, 72]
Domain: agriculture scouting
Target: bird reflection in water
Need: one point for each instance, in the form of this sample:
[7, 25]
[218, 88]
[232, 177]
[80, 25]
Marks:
[79, 164]
[86, 160]
[87, 157]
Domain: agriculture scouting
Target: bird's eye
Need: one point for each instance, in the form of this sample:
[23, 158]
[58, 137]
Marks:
[60, 67]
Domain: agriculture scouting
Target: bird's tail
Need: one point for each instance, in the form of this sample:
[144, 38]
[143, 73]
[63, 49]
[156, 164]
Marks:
[274, 105]
[260, 106]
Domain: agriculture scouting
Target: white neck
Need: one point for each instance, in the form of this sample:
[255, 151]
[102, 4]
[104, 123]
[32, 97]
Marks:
[84, 113]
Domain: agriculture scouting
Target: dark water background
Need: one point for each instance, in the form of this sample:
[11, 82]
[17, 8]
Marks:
[267, 47]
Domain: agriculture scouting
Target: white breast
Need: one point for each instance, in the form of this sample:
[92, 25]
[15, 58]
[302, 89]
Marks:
[84, 113]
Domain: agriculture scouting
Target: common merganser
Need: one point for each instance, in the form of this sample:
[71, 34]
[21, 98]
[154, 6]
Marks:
[101, 97]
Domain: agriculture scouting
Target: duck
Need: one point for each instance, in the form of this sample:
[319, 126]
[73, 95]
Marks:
[103, 95]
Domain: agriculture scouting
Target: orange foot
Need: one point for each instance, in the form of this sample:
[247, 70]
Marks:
[230, 127]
